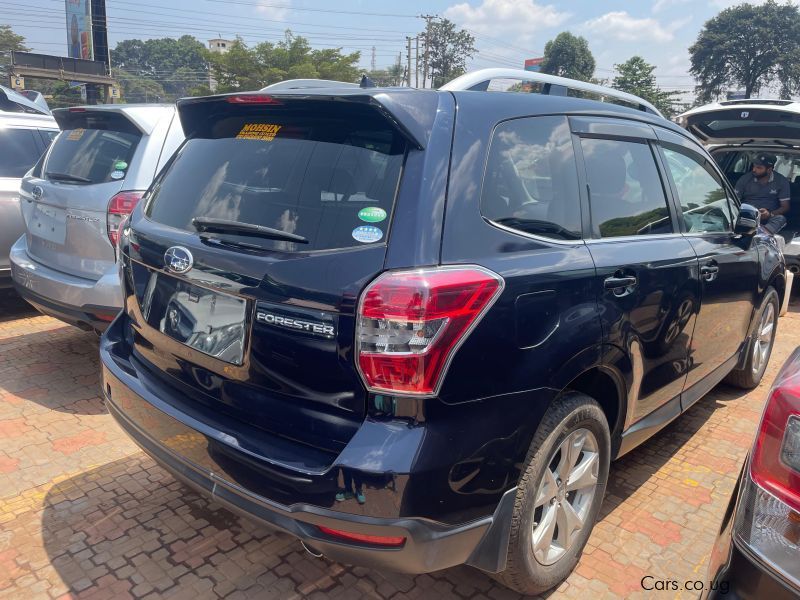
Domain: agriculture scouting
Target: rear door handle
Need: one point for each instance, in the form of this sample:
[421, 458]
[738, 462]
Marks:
[619, 283]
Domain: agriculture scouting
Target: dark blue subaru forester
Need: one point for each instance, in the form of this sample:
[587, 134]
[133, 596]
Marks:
[413, 328]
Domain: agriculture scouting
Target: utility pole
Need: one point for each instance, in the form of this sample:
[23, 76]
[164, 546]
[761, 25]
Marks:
[416, 64]
[428, 19]
[408, 65]
[373, 58]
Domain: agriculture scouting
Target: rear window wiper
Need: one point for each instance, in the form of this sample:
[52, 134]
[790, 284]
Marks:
[205, 224]
[66, 177]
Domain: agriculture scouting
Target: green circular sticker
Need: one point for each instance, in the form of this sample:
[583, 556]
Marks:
[120, 165]
[372, 214]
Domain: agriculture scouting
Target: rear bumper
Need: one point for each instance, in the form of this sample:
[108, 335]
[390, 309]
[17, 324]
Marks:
[86, 303]
[205, 461]
[743, 577]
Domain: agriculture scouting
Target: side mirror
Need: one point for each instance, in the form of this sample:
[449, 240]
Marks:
[748, 220]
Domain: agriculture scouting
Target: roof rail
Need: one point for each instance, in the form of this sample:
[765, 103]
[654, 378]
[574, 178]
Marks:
[551, 85]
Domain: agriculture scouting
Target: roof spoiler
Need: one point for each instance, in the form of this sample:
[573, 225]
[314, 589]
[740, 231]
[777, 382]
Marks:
[16, 102]
[551, 85]
[410, 112]
[143, 117]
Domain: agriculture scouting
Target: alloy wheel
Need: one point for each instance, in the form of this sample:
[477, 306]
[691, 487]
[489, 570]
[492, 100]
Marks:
[565, 496]
[763, 340]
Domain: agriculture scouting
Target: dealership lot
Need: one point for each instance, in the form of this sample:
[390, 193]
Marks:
[85, 514]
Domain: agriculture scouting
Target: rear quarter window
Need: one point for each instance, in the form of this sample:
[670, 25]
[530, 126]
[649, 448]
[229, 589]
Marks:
[330, 181]
[530, 184]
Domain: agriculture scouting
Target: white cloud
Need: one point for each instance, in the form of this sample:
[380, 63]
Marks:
[619, 25]
[274, 10]
[514, 19]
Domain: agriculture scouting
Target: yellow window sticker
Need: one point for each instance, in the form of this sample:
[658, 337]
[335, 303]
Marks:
[76, 134]
[265, 132]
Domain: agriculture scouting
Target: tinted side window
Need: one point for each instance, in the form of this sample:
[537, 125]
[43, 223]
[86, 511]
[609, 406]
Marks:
[20, 151]
[531, 179]
[704, 203]
[626, 193]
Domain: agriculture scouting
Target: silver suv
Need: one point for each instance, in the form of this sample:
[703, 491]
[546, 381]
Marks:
[25, 132]
[75, 200]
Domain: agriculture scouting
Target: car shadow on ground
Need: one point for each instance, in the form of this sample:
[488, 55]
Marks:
[129, 528]
[12, 306]
[57, 368]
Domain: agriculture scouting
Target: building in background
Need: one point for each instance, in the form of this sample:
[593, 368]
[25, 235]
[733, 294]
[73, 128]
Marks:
[533, 64]
[219, 46]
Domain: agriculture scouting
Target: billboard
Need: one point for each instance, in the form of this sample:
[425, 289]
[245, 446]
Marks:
[79, 29]
[533, 64]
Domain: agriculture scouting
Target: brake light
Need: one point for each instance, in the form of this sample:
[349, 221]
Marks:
[768, 511]
[775, 465]
[252, 99]
[377, 540]
[411, 323]
[76, 109]
[119, 208]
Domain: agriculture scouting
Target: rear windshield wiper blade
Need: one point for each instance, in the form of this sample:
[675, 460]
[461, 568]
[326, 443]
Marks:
[205, 224]
[66, 177]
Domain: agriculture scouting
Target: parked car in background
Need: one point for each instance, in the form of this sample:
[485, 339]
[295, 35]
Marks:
[736, 131]
[412, 328]
[26, 131]
[74, 201]
[757, 552]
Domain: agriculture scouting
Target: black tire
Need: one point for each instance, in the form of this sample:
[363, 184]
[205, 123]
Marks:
[748, 376]
[524, 573]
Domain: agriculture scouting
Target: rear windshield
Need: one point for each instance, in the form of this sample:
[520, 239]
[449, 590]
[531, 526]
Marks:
[331, 181]
[93, 150]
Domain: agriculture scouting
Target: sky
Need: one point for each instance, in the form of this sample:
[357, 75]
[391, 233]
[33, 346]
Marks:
[506, 31]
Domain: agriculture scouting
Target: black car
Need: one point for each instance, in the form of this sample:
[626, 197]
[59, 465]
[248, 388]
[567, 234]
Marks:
[757, 553]
[413, 327]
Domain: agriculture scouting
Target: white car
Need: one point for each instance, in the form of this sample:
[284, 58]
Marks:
[736, 130]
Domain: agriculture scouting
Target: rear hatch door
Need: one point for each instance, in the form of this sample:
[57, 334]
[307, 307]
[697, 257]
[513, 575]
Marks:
[261, 327]
[775, 121]
[64, 203]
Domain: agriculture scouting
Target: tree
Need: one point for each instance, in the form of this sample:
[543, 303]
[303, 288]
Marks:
[568, 56]
[635, 76]
[9, 42]
[136, 88]
[748, 47]
[448, 49]
[243, 68]
[176, 65]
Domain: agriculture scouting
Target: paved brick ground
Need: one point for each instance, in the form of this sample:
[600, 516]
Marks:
[84, 514]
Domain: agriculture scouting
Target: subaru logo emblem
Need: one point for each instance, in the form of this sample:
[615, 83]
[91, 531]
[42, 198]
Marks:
[178, 259]
[37, 192]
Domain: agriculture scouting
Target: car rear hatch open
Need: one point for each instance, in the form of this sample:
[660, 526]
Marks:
[245, 263]
[736, 122]
[67, 199]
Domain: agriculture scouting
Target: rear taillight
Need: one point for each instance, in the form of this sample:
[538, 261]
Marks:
[119, 208]
[410, 324]
[768, 516]
[776, 457]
